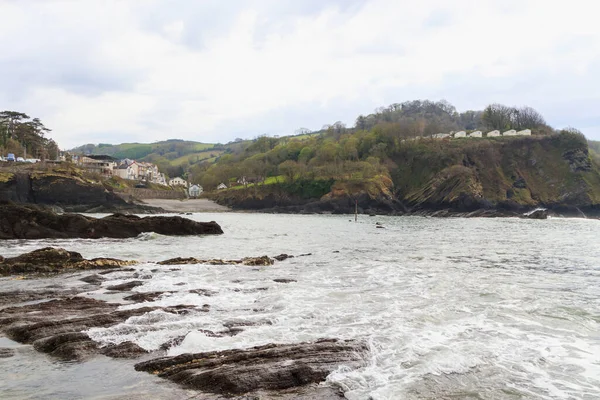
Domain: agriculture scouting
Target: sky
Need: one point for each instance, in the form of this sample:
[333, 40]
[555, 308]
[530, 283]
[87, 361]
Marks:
[113, 71]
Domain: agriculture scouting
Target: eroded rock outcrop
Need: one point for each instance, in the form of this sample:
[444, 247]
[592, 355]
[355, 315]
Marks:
[20, 221]
[58, 327]
[269, 367]
[253, 261]
[55, 260]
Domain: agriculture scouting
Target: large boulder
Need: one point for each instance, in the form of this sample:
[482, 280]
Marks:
[20, 221]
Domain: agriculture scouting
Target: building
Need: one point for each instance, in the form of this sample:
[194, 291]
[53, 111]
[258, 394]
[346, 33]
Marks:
[460, 134]
[493, 134]
[475, 134]
[511, 132]
[178, 182]
[222, 186]
[524, 132]
[101, 164]
[128, 171]
[440, 135]
[195, 190]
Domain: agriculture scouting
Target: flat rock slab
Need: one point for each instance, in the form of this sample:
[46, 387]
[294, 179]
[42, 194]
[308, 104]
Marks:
[57, 327]
[269, 367]
[20, 221]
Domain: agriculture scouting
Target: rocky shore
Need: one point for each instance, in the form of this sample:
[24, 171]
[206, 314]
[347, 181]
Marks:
[24, 221]
[56, 320]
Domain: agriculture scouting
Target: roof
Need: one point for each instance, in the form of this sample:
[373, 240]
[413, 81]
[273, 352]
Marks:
[102, 157]
[123, 166]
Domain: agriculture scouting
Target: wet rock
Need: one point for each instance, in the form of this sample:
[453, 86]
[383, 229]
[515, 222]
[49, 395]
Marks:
[251, 261]
[148, 296]
[58, 327]
[110, 271]
[176, 341]
[127, 286]
[203, 292]
[305, 255]
[284, 280]
[6, 353]
[123, 350]
[258, 261]
[282, 257]
[93, 279]
[55, 260]
[21, 221]
[270, 367]
[536, 214]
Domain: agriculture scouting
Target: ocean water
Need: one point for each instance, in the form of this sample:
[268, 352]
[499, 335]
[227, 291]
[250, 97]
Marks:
[450, 308]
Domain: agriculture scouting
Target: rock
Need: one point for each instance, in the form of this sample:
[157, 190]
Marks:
[257, 261]
[203, 292]
[282, 257]
[540, 213]
[269, 367]
[127, 286]
[251, 261]
[148, 296]
[93, 279]
[19, 221]
[58, 327]
[283, 280]
[55, 260]
[6, 353]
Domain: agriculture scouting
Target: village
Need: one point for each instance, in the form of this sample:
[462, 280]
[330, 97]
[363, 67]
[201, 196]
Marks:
[143, 172]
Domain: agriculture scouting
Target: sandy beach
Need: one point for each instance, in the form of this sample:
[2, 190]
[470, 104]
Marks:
[191, 205]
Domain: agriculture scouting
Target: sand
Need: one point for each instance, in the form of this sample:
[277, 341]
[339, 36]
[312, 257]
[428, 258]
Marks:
[191, 205]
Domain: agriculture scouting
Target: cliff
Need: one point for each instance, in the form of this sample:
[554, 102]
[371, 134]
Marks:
[426, 176]
[64, 187]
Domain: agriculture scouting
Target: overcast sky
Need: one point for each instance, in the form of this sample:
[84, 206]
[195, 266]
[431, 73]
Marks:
[117, 71]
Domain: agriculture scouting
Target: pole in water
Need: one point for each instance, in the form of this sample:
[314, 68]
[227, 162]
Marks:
[355, 210]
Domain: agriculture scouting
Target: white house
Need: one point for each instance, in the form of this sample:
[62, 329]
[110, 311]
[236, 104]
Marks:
[195, 190]
[222, 186]
[511, 132]
[460, 134]
[524, 132]
[127, 171]
[493, 134]
[178, 182]
[440, 135]
[475, 134]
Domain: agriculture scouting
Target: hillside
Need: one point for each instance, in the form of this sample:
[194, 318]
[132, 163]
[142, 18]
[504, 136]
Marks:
[389, 162]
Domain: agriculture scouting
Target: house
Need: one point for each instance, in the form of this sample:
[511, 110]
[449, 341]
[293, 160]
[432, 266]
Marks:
[222, 186]
[101, 164]
[178, 182]
[475, 134]
[524, 132]
[493, 134]
[195, 190]
[511, 132]
[127, 171]
[460, 134]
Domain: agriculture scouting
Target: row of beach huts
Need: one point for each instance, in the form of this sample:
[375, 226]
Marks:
[478, 134]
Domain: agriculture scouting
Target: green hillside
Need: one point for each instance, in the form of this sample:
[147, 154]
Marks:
[389, 157]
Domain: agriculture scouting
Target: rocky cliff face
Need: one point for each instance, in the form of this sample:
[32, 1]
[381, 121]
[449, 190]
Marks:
[53, 189]
[556, 172]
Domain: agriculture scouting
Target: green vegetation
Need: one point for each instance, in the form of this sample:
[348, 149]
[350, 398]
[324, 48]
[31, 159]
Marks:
[25, 137]
[390, 154]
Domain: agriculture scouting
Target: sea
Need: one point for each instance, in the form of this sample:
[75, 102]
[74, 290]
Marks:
[454, 308]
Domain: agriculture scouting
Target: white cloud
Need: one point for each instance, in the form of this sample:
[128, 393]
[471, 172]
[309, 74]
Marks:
[239, 74]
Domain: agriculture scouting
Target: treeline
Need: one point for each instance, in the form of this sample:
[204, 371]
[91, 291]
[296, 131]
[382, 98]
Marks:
[25, 137]
[360, 153]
